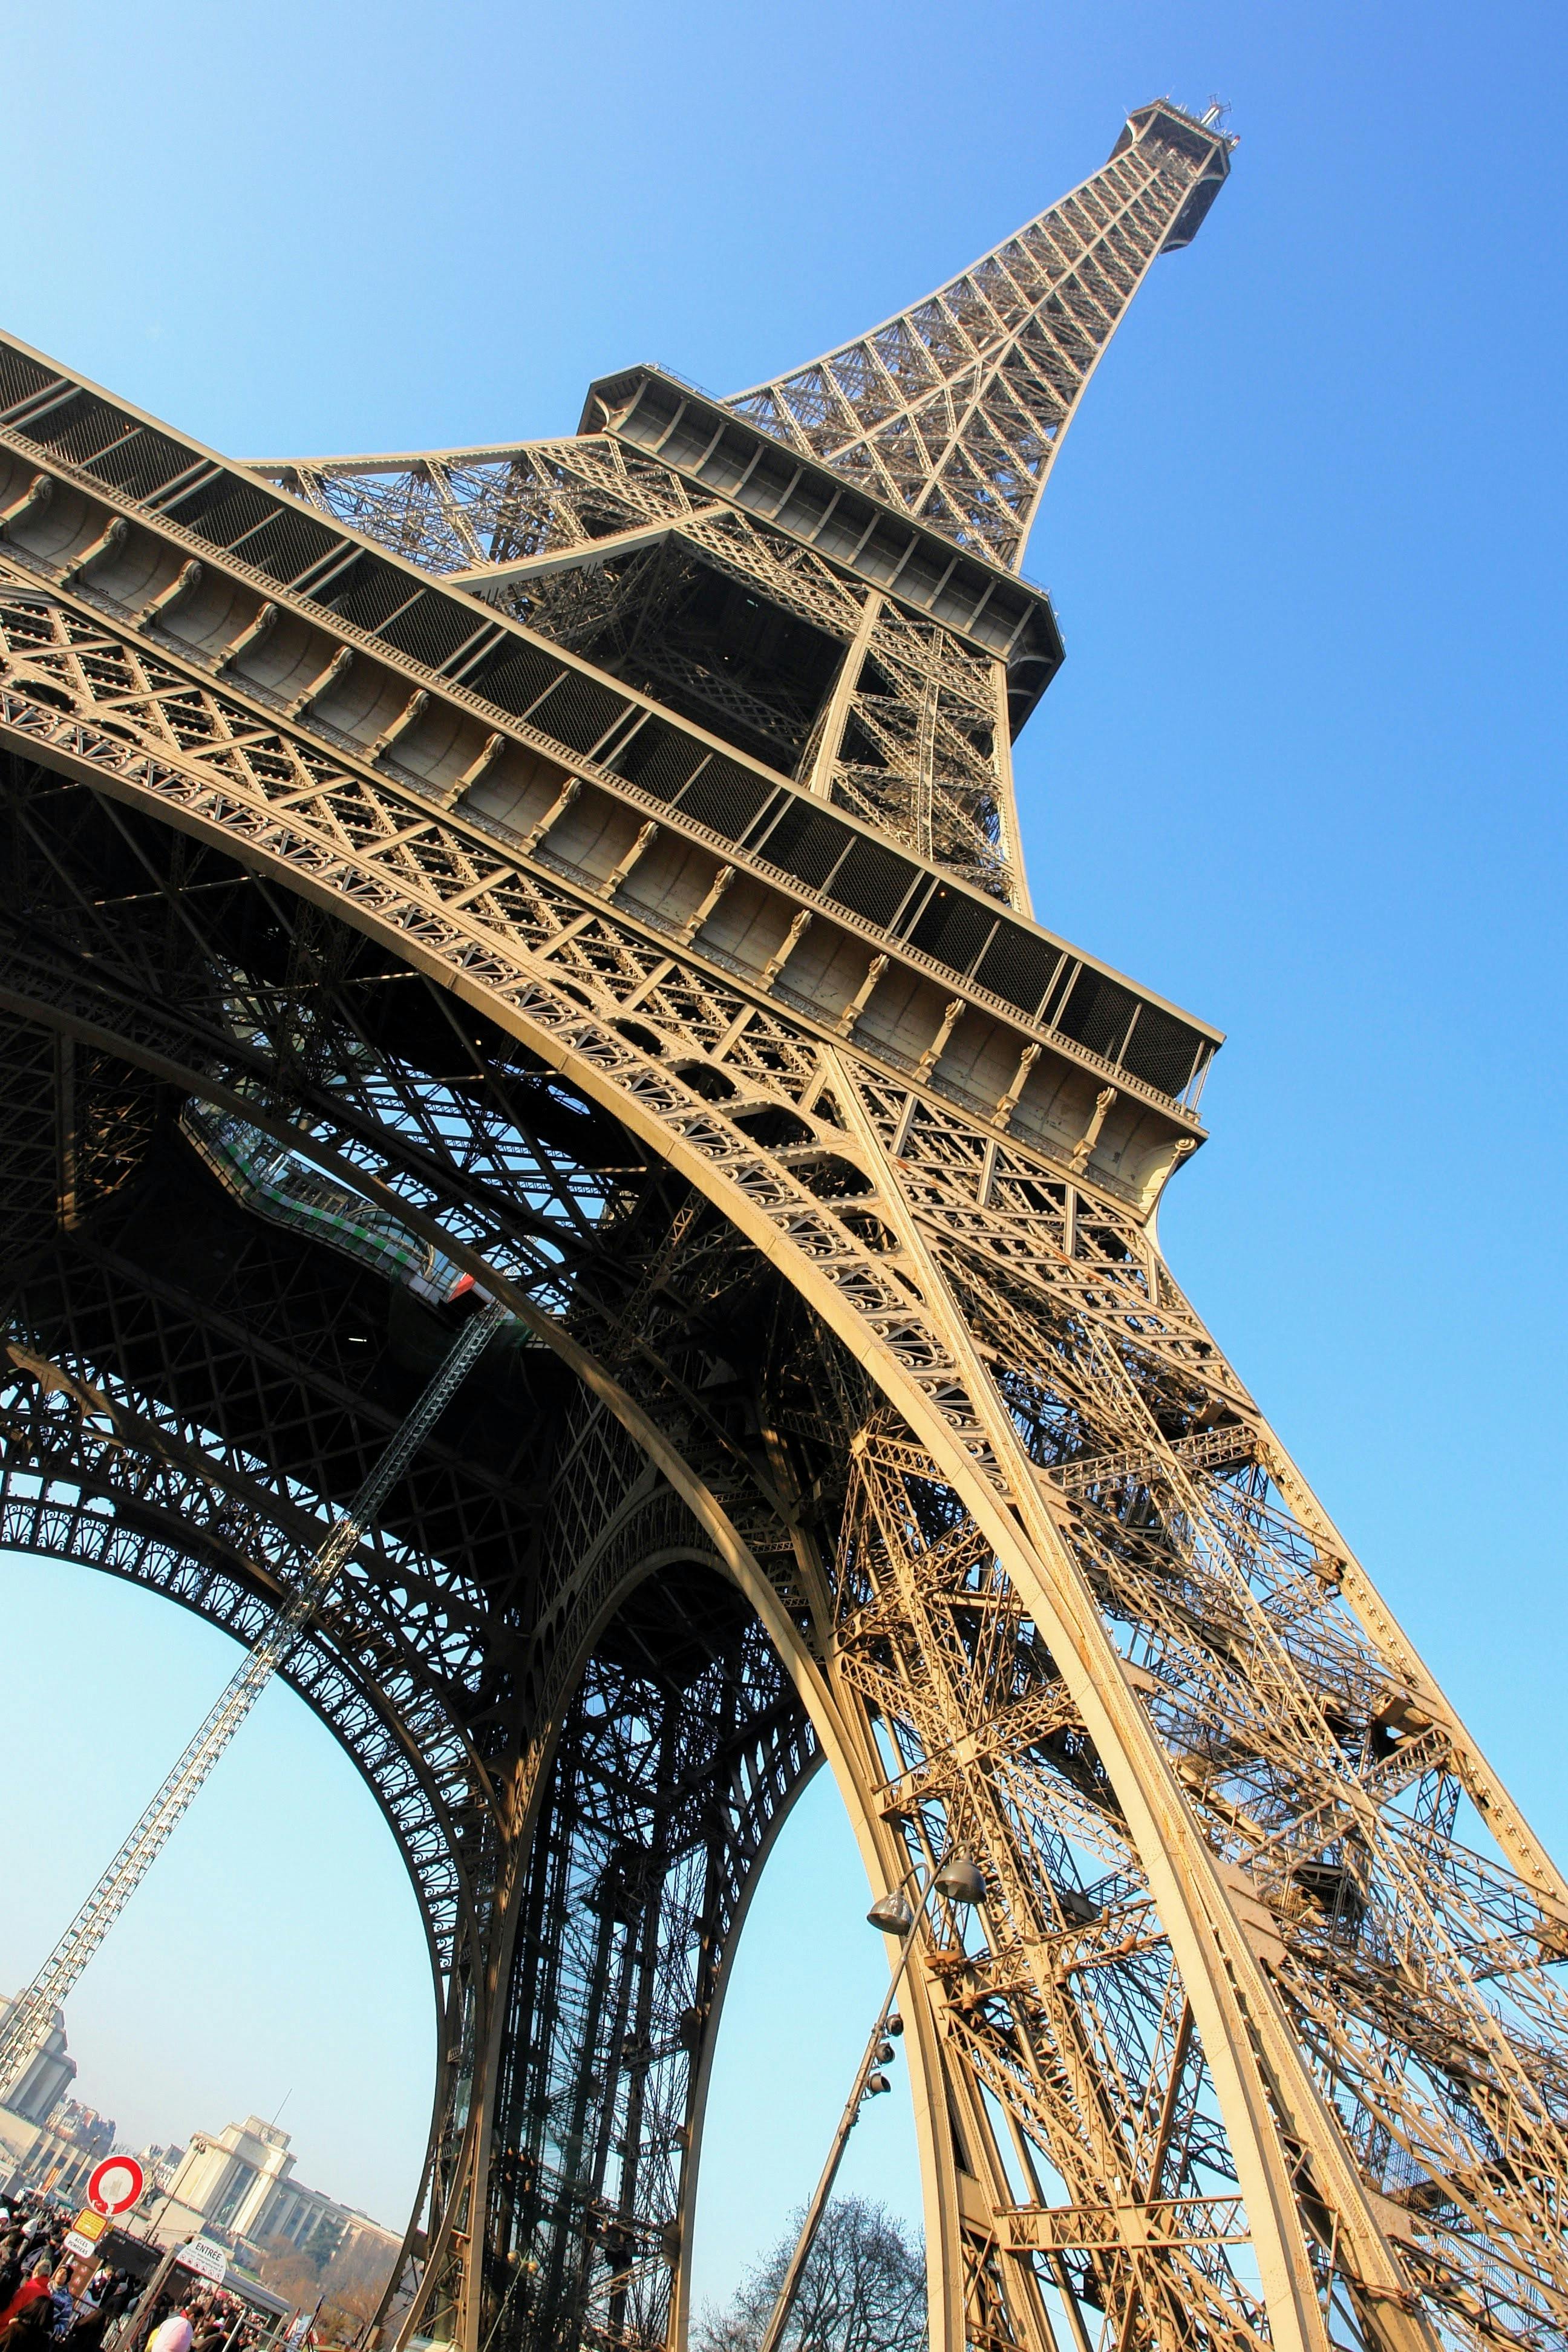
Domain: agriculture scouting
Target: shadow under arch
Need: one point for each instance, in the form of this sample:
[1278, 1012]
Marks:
[676, 1761]
[109, 1459]
[71, 1489]
[887, 1319]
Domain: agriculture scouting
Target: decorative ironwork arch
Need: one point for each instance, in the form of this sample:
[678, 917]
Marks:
[827, 1176]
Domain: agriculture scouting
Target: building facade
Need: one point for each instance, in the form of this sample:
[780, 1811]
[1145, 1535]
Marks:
[37, 2144]
[43, 2083]
[237, 2186]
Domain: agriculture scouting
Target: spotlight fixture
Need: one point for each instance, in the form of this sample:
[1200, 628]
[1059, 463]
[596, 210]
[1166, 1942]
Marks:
[960, 1881]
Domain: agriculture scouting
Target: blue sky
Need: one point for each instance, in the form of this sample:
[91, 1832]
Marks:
[1303, 770]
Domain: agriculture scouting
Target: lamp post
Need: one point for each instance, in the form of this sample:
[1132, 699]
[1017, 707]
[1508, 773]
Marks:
[961, 1881]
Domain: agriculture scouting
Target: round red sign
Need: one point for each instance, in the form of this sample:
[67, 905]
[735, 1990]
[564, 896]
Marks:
[114, 2186]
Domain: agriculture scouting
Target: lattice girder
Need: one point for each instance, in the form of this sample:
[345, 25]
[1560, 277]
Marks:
[953, 411]
[1001, 1278]
[67, 1493]
[826, 1218]
[72, 1432]
[933, 712]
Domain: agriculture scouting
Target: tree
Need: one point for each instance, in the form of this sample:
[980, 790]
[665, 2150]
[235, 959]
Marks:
[355, 2280]
[347, 2283]
[863, 2290]
[288, 2271]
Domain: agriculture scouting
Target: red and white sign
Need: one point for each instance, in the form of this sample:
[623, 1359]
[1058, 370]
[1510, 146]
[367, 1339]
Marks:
[114, 2185]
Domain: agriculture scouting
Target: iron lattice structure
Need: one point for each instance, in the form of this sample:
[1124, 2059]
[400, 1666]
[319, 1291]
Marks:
[599, 856]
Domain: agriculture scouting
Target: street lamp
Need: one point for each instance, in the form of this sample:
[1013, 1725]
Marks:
[959, 1882]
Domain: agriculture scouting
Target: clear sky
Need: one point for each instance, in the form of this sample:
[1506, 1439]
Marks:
[1303, 771]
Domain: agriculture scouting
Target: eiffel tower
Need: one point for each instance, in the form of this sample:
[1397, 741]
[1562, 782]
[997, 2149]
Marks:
[589, 868]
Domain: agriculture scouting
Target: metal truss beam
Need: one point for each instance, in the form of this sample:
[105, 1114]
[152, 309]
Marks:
[954, 410]
[857, 1413]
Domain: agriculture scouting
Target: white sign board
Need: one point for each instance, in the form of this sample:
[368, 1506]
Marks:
[75, 2243]
[201, 2255]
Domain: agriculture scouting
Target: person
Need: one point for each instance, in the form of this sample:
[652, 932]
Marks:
[27, 2325]
[172, 2334]
[29, 2330]
[62, 2297]
[118, 2295]
[34, 2286]
[87, 2328]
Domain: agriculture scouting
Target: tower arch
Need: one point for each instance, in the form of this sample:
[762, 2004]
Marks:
[692, 1003]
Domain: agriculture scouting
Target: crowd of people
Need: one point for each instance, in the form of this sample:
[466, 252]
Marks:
[50, 2295]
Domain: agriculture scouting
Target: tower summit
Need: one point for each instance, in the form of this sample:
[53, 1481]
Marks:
[598, 856]
[910, 464]
[953, 411]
